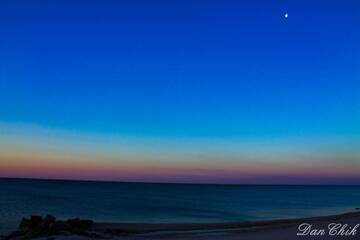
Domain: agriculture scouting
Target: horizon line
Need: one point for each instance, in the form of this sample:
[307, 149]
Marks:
[175, 183]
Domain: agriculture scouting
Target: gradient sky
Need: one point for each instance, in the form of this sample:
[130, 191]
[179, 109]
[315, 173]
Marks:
[181, 91]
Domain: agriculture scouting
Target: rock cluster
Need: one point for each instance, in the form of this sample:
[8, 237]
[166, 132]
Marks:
[37, 226]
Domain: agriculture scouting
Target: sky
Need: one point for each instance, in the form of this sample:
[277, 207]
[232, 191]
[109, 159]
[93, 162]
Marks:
[181, 91]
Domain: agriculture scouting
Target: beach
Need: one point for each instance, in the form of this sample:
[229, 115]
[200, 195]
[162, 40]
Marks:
[258, 230]
[283, 229]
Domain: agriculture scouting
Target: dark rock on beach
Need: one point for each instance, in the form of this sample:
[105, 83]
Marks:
[79, 224]
[24, 225]
[37, 226]
[49, 222]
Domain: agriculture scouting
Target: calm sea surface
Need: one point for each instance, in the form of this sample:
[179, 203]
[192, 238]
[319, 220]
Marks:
[167, 203]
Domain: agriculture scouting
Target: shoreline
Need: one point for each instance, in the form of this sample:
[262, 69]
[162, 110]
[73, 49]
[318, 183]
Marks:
[252, 230]
[144, 228]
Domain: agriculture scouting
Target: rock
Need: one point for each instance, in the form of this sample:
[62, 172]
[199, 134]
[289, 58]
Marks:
[49, 222]
[24, 225]
[37, 226]
[72, 221]
[85, 224]
[36, 221]
[77, 223]
[60, 226]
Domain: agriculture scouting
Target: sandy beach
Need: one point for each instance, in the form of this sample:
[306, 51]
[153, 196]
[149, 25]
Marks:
[258, 230]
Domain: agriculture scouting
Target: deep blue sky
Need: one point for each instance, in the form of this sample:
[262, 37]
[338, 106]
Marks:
[182, 68]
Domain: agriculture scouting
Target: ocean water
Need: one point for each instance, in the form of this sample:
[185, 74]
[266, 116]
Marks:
[167, 203]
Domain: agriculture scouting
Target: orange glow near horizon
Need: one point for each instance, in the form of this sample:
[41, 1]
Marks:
[68, 157]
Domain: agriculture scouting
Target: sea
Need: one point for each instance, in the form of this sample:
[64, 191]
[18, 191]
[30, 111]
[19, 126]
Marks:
[167, 203]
